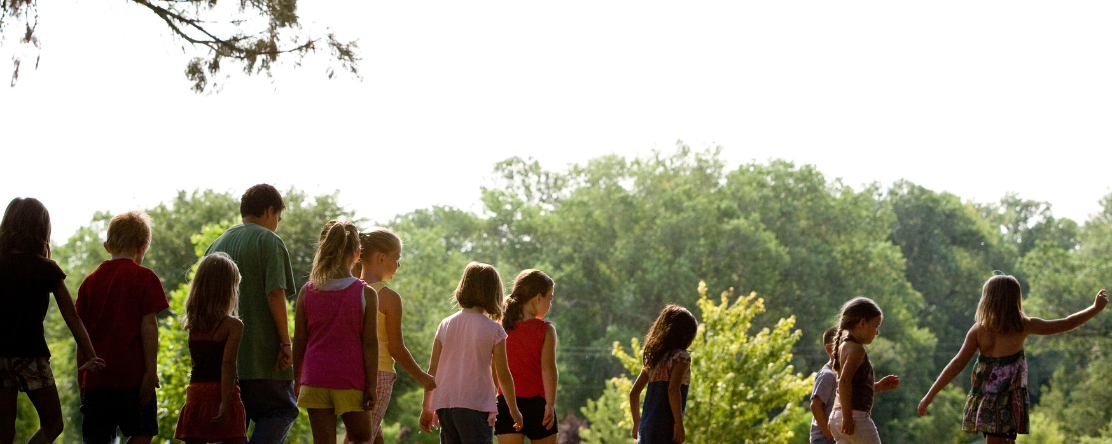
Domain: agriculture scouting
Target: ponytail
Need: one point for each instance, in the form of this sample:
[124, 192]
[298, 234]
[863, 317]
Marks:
[529, 284]
[837, 345]
[339, 243]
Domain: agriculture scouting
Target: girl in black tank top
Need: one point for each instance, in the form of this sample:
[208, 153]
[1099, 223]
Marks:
[858, 324]
[213, 410]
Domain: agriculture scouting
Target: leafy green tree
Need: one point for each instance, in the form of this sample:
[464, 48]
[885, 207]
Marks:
[249, 34]
[609, 415]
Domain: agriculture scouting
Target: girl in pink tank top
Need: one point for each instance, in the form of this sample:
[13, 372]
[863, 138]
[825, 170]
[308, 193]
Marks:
[531, 353]
[335, 345]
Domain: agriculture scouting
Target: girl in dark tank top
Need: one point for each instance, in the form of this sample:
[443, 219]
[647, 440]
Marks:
[850, 421]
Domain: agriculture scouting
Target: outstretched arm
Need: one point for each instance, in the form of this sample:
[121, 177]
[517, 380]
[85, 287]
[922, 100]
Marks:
[1042, 327]
[390, 304]
[69, 314]
[428, 417]
[956, 365]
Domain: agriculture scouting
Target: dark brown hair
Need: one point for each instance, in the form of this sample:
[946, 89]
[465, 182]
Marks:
[828, 335]
[339, 243]
[854, 311]
[1001, 307]
[26, 227]
[258, 198]
[213, 294]
[129, 231]
[528, 285]
[674, 329]
[481, 286]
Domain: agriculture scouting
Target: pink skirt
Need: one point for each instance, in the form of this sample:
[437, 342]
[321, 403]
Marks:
[202, 404]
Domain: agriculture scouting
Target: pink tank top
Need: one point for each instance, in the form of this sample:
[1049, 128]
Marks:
[334, 356]
[523, 354]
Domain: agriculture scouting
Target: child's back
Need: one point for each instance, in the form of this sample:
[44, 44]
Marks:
[26, 280]
[334, 352]
[468, 341]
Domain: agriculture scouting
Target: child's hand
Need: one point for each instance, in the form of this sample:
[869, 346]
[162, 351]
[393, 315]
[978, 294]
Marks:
[1101, 300]
[924, 403]
[369, 398]
[636, 425]
[678, 433]
[94, 365]
[428, 420]
[549, 416]
[847, 425]
[886, 383]
[219, 415]
[516, 415]
[427, 381]
[146, 388]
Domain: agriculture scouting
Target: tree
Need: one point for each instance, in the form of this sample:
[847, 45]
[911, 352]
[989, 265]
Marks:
[743, 388]
[252, 34]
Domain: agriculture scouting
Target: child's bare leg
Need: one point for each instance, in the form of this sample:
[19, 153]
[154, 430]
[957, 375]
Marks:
[546, 440]
[323, 423]
[7, 414]
[358, 425]
[140, 439]
[49, 409]
[510, 438]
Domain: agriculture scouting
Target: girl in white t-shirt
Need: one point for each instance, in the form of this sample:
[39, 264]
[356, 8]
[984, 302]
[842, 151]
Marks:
[465, 346]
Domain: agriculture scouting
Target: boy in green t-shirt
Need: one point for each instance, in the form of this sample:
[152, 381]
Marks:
[265, 354]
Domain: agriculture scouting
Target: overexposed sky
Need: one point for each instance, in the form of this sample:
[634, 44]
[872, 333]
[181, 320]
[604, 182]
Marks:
[975, 98]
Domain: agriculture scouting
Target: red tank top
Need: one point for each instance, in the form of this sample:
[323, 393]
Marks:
[523, 354]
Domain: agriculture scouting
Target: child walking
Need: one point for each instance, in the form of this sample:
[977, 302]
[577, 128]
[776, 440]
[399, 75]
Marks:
[531, 353]
[822, 397]
[118, 303]
[858, 324]
[27, 277]
[380, 256]
[468, 345]
[667, 374]
[335, 344]
[213, 411]
[997, 404]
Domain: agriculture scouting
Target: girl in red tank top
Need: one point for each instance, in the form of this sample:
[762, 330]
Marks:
[531, 354]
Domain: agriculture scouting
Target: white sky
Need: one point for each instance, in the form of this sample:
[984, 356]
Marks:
[975, 98]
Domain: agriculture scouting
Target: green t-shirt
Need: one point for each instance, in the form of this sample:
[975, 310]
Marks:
[264, 266]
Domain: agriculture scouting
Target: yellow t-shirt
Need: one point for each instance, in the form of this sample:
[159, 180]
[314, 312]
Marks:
[385, 361]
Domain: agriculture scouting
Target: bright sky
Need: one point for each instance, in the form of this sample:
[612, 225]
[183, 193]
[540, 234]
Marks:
[975, 98]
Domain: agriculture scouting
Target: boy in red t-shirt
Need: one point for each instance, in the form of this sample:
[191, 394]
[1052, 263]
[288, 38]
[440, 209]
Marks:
[118, 303]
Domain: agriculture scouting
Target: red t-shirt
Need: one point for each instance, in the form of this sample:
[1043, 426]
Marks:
[523, 354]
[111, 303]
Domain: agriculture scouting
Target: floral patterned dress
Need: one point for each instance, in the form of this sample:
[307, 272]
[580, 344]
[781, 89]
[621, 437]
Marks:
[998, 402]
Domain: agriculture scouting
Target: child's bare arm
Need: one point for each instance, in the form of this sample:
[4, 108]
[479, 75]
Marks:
[675, 399]
[820, 416]
[506, 382]
[390, 304]
[1043, 327]
[549, 375]
[956, 365]
[853, 355]
[77, 328]
[427, 416]
[228, 366]
[370, 347]
[300, 339]
[148, 335]
[276, 301]
[635, 398]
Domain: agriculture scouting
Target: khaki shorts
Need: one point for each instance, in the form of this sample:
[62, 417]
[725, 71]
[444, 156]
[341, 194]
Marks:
[26, 374]
[341, 401]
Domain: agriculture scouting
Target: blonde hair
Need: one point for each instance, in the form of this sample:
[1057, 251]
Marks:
[1001, 306]
[129, 231]
[376, 240]
[339, 243]
[213, 294]
[481, 286]
[529, 284]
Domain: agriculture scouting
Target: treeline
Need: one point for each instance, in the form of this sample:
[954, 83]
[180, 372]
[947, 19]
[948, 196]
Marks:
[622, 237]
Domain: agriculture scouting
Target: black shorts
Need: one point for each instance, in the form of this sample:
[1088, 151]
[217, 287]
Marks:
[105, 410]
[532, 415]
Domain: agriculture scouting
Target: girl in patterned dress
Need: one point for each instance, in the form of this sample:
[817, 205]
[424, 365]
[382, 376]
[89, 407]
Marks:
[997, 404]
[667, 373]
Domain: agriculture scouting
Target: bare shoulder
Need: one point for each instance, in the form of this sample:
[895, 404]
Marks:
[389, 300]
[233, 325]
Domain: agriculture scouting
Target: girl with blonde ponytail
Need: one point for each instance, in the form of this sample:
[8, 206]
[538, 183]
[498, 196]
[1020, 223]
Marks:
[335, 343]
[531, 354]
